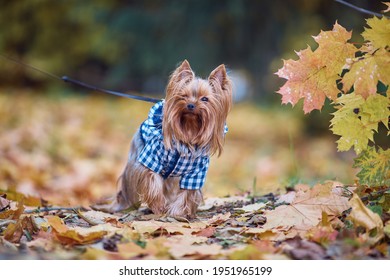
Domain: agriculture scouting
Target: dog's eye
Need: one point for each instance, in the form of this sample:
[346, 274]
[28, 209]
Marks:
[204, 99]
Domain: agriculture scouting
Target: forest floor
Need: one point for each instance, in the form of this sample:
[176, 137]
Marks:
[267, 197]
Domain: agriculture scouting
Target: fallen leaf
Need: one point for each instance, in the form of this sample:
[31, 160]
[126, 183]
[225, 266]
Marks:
[218, 201]
[250, 252]
[206, 232]
[28, 200]
[181, 246]
[218, 219]
[276, 234]
[42, 241]
[306, 209]
[23, 226]
[92, 253]
[131, 250]
[99, 217]
[386, 229]
[304, 250]
[152, 226]
[77, 235]
[253, 207]
[146, 227]
[13, 214]
[363, 216]
[4, 203]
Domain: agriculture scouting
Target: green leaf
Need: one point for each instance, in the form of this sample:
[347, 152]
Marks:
[375, 167]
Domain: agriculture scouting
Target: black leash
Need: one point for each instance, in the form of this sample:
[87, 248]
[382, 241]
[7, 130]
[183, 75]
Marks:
[82, 84]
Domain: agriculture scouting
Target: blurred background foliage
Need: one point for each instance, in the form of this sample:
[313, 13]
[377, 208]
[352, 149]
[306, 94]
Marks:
[70, 147]
[134, 45]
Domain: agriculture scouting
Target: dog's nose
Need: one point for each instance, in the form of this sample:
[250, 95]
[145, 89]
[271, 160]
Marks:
[190, 106]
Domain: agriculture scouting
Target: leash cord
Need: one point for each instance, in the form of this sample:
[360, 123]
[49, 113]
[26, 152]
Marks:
[80, 83]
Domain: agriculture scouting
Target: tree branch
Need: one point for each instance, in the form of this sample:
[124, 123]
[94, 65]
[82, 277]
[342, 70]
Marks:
[361, 9]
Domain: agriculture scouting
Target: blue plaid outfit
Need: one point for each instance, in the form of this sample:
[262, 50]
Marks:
[171, 163]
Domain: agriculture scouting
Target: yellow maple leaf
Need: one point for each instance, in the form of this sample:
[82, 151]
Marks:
[366, 71]
[378, 33]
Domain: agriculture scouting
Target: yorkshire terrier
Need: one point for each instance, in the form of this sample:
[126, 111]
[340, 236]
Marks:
[170, 153]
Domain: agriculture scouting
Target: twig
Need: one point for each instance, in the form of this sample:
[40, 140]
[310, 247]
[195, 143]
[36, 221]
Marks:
[374, 195]
[361, 9]
[89, 221]
[47, 209]
[6, 222]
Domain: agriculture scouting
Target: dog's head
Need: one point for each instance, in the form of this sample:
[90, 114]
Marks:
[196, 109]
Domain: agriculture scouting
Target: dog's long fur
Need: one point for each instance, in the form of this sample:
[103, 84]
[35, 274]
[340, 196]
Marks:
[200, 129]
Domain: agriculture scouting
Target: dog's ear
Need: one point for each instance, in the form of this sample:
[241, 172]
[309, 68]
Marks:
[184, 72]
[219, 77]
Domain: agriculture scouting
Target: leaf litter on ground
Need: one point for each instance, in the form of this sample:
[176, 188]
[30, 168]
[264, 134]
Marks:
[304, 223]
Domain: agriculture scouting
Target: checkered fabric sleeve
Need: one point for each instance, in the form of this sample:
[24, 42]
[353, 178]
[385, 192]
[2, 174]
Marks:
[195, 180]
[153, 124]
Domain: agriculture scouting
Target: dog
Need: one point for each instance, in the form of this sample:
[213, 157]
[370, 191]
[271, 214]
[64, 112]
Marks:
[170, 153]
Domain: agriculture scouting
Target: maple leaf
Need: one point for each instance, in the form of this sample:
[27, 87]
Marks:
[378, 33]
[77, 235]
[306, 210]
[4, 203]
[365, 72]
[314, 75]
[388, 7]
[375, 167]
[357, 119]
[363, 216]
[180, 246]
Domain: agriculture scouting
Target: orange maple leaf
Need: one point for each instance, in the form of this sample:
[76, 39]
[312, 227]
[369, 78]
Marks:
[314, 75]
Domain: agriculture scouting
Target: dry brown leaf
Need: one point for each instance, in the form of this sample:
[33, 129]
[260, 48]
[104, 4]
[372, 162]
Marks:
[306, 209]
[131, 250]
[99, 217]
[218, 219]
[155, 248]
[363, 216]
[77, 235]
[146, 227]
[13, 213]
[219, 201]
[4, 203]
[253, 207]
[181, 246]
[28, 200]
[43, 242]
[206, 232]
[250, 252]
[152, 226]
[24, 226]
[386, 229]
[92, 253]
[276, 234]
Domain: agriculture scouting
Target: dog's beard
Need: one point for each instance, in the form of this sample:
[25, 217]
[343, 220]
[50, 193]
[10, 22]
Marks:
[191, 124]
[189, 128]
